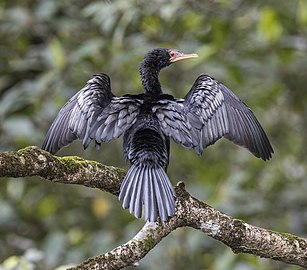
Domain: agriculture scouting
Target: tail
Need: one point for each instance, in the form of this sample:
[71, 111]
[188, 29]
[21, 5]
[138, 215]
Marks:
[149, 186]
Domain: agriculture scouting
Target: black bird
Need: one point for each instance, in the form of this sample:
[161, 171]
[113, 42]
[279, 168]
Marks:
[208, 112]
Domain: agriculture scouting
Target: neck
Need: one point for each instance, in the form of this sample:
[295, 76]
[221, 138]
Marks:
[150, 79]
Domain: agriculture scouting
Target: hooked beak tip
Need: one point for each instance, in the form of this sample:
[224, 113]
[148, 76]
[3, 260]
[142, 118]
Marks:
[183, 57]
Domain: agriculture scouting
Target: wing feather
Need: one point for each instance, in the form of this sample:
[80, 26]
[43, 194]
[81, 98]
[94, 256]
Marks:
[214, 112]
[75, 117]
[93, 113]
[174, 123]
[209, 112]
[120, 115]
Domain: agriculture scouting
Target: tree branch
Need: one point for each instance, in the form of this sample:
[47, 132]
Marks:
[238, 235]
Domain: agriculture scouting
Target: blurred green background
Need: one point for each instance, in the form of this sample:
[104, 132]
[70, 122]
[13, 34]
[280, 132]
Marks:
[49, 49]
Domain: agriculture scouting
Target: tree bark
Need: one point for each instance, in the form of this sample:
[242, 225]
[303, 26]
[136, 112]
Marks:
[240, 236]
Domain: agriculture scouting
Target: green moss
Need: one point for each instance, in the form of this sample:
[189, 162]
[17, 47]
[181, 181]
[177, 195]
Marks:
[293, 239]
[72, 163]
[148, 243]
[26, 153]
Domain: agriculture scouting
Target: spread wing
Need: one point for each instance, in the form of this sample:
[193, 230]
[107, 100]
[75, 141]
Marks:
[93, 113]
[215, 111]
[208, 112]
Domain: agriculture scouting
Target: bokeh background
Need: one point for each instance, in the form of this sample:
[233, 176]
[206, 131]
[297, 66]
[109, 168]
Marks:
[49, 49]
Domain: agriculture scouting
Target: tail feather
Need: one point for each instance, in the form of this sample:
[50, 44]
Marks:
[127, 185]
[136, 205]
[161, 199]
[148, 187]
[170, 193]
[150, 202]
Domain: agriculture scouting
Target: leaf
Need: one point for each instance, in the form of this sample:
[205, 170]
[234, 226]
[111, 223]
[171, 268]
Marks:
[48, 206]
[269, 26]
[57, 53]
[16, 263]
[302, 12]
[100, 207]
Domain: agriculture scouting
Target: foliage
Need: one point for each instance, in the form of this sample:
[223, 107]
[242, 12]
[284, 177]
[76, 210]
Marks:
[49, 49]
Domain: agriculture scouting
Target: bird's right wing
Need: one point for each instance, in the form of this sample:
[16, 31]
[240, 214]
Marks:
[93, 113]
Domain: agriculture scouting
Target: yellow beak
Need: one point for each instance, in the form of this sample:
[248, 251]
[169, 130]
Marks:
[182, 56]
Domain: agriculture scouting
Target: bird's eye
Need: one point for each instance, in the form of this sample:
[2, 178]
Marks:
[171, 54]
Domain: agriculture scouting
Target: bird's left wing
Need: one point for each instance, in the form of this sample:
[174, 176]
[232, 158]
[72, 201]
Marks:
[208, 112]
[93, 113]
[215, 111]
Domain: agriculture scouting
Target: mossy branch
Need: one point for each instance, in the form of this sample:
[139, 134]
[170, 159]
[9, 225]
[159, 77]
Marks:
[238, 235]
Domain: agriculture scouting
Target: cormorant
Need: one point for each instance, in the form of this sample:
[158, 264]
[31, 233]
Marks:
[208, 112]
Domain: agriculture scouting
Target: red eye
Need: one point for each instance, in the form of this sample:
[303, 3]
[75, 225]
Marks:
[172, 54]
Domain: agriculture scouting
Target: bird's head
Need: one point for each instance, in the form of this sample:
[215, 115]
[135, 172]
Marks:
[154, 61]
[162, 57]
